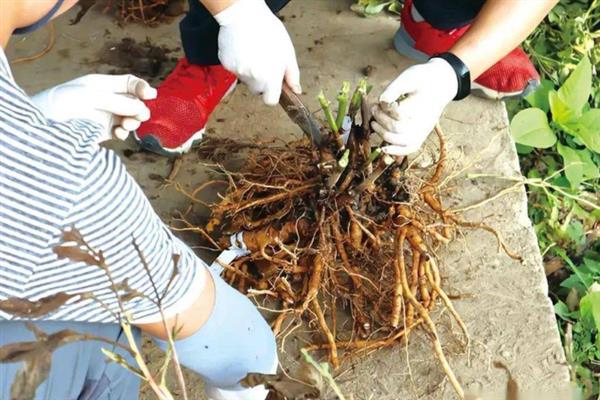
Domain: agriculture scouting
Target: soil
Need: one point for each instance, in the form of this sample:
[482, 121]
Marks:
[368, 70]
[144, 59]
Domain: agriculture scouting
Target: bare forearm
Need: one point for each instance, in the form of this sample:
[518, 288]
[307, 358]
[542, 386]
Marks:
[500, 26]
[216, 6]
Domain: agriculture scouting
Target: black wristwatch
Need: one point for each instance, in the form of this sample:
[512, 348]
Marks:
[462, 74]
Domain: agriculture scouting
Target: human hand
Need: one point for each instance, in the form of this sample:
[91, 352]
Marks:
[412, 104]
[254, 45]
[113, 101]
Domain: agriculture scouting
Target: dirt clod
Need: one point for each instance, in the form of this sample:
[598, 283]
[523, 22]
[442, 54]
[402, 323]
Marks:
[144, 59]
[128, 153]
[156, 177]
[368, 70]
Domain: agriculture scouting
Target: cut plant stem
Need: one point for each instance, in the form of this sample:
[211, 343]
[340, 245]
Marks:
[327, 111]
[359, 93]
[343, 161]
[343, 99]
[369, 182]
[330, 120]
[340, 167]
[373, 156]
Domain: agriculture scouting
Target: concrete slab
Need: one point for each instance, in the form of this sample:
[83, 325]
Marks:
[503, 303]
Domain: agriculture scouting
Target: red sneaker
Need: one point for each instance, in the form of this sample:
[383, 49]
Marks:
[185, 100]
[512, 76]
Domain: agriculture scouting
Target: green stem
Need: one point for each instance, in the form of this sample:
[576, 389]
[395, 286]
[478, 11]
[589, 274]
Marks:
[327, 110]
[567, 220]
[343, 161]
[323, 370]
[373, 156]
[360, 91]
[343, 104]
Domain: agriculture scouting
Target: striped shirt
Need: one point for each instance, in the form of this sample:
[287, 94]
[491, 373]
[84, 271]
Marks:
[54, 176]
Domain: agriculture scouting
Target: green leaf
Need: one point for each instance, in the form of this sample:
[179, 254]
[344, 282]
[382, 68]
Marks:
[576, 90]
[576, 232]
[573, 165]
[539, 98]
[589, 307]
[374, 9]
[561, 113]
[592, 265]
[395, 7]
[530, 127]
[578, 165]
[522, 149]
[590, 170]
[562, 310]
[580, 283]
[369, 8]
[587, 129]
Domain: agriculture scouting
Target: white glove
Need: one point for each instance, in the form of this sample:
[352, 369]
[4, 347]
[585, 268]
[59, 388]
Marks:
[113, 101]
[255, 46]
[425, 89]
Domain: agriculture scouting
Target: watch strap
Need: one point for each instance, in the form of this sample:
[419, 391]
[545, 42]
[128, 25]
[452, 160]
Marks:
[462, 74]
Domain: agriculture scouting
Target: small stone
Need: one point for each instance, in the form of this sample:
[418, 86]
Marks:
[505, 354]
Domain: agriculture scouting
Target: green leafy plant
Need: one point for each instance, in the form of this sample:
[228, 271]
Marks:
[563, 153]
[369, 8]
[579, 323]
[559, 140]
[557, 134]
[570, 32]
[574, 128]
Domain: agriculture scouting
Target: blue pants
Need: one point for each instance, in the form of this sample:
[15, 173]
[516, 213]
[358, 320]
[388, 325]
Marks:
[199, 30]
[79, 370]
[234, 341]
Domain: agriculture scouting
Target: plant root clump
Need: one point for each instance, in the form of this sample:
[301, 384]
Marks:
[148, 12]
[335, 225]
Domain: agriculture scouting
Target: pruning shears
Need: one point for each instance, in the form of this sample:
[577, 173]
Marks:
[300, 115]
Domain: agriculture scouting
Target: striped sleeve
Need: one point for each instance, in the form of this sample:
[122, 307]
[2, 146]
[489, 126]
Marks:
[112, 212]
[54, 176]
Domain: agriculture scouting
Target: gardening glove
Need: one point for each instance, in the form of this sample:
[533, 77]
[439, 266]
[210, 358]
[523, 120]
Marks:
[412, 104]
[254, 45]
[112, 101]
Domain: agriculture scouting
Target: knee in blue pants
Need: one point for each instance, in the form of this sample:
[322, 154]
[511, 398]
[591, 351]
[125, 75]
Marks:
[234, 341]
